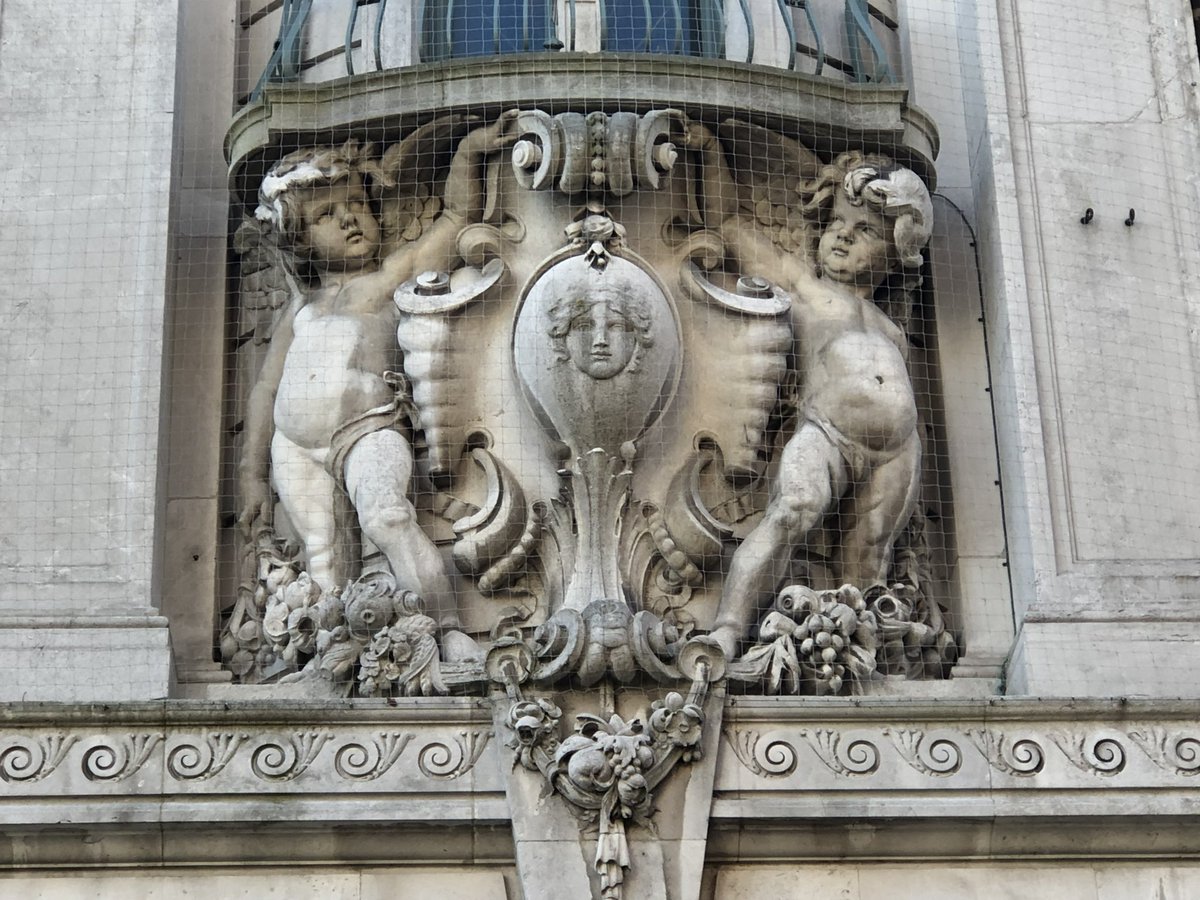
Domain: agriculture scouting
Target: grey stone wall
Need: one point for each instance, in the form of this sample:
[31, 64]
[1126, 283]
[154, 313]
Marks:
[85, 184]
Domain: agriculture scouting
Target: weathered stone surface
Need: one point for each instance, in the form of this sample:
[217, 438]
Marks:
[82, 345]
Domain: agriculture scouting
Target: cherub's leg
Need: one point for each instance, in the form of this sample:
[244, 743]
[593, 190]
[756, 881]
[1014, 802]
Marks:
[308, 496]
[378, 472]
[812, 475]
[878, 511]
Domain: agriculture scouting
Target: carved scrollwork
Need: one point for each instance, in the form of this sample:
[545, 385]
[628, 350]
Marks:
[1096, 754]
[1022, 757]
[27, 759]
[447, 759]
[203, 760]
[768, 756]
[359, 761]
[288, 758]
[937, 756]
[118, 760]
[855, 756]
[1174, 752]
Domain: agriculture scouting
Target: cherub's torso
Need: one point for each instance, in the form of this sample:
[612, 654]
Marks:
[344, 340]
[851, 365]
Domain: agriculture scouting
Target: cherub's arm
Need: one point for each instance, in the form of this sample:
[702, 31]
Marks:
[255, 464]
[749, 245]
[720, 199]
[463, 204]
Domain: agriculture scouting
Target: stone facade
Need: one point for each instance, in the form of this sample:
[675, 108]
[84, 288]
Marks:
[597, 473]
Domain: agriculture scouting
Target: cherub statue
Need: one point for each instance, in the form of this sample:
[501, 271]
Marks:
[856, 439]
[325, 418]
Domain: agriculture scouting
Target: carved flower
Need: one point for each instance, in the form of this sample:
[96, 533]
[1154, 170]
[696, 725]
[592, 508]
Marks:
[608, 759]
[676, 723]
[337, 652]
[405, 655]
[532, 721]
[301, 592]
[275, 622]
[913, 636]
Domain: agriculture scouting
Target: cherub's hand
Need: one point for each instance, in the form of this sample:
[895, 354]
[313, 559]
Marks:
[464, 188]
[256, 506]
[497, 136]
[697, 136]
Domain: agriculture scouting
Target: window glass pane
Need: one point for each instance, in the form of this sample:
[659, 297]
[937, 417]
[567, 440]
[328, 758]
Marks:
[670, 27]
[524, 26]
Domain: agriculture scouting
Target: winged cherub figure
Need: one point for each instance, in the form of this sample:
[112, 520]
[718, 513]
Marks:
[856, 446]
[325, 418]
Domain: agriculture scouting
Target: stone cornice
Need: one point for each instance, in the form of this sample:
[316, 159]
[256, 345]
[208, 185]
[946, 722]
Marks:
[838, 115]
[949, 779]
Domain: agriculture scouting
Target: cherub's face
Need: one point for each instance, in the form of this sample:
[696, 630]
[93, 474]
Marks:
[855, 248]
[601, 340]
[340, 230]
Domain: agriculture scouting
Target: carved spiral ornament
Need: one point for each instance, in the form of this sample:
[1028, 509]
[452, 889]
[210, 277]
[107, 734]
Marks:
[1106, 756]
[1187, 756]
[770, 756]
[861, 757]
[776, 757]
[193, 761]
[119, 760]
[1178, 753]
[275, 761]
[445, 759]
[32, 761]
[363, 762]
[21, 763]
[103, 763]
[1026, 757]
[941, 756]
[1022, 757]
[858, 757]
[930, 756]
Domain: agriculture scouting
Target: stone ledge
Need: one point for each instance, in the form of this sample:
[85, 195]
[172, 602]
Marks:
[438, 759]
[187, 783]
[874, 117]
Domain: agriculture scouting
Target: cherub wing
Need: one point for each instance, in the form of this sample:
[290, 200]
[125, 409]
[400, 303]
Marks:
[409, 193]
[267, 281]
[769, 169]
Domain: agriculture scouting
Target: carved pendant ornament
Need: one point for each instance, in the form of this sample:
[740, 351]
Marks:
[585, 399]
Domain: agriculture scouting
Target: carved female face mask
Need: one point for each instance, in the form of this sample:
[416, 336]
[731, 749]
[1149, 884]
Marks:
[601, 340]
[341, 231]
[856, 248]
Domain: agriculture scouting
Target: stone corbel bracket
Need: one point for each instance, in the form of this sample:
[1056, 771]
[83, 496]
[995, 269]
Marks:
[608, 769]
[597, 152]
[437, 362]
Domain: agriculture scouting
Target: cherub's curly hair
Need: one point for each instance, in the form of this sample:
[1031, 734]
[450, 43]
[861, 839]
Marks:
[896, 192]
[310, 167]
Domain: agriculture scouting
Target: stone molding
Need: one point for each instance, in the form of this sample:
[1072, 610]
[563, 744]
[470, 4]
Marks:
[876, 117]
[798, 760]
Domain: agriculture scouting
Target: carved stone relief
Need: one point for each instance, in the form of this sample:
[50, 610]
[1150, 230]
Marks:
[588, 389]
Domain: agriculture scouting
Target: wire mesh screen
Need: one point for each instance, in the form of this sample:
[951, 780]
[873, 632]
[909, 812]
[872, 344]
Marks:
[814, 346]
